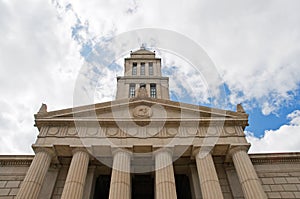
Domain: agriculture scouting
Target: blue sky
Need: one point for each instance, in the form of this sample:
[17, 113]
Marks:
[254, 46]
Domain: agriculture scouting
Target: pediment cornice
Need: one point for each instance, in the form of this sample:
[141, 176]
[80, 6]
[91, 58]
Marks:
[126, 110]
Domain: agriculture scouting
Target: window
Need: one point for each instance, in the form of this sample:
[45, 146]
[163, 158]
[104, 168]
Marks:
[150, 68]
[134, 67]
[142, 68]
[143, 85]
[153, 90]
[132, 90]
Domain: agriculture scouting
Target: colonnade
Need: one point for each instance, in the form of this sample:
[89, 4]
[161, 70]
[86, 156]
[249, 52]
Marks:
[120, 186]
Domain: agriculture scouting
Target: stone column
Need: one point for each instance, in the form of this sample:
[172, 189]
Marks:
[75, 181]
[194, 182]
[120, 186]
[36, 173]
[248, 178]
[165, 187]
[209, 182]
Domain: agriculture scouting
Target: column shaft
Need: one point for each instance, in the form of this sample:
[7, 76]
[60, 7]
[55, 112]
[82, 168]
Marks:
[248, 178]
[120, 186]
[165, 187]
[194, 182]
[34, 178]
[209, 182]
[75, 181]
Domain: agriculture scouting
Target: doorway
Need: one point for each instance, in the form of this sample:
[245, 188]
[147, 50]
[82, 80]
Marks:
[142, 187]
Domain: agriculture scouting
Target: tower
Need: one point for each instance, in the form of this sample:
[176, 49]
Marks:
[145, 147]
[142, 71]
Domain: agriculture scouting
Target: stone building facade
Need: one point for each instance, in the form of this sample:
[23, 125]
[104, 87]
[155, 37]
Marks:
[143, 145]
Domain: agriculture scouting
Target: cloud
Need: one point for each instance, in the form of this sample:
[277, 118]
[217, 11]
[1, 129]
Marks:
[39, 62]
[284, 139]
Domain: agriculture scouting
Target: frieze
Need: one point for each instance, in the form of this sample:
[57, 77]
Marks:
[15, 163]
[275, 160]
[140, 131]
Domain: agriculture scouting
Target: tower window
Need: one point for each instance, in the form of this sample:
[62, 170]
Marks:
[150, 68]
[142, 68]
[153, 90]
[132, 90]
[134, 67]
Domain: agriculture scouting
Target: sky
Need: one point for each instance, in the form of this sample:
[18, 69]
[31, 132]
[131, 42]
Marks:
[47, 46]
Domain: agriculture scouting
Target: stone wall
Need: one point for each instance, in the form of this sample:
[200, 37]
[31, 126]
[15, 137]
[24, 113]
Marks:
[222, 176]
[279, 174]
[61, 178]
[12, 172]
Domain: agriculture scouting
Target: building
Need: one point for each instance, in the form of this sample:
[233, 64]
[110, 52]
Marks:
[142, 145]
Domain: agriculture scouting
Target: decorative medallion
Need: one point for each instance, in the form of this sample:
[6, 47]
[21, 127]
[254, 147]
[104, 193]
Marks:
[152, 131]
[191, 130]
[131, 130]
[112, 131]
[230, 130]
[172, 131]
[53, 130]
[92, 131]
[72, 131]
[142, 112]
[212, 131]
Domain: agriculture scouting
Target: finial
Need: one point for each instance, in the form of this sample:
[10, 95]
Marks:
[239, 108]
[143, 46]
[43, 109]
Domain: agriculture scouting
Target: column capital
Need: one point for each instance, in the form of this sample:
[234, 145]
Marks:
[49, 150]
[158, 150]
[202, 151]
[116, 150]
[79, 149]
[235, 148]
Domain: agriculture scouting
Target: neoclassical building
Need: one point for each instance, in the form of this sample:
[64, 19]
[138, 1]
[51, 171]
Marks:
[143, 145]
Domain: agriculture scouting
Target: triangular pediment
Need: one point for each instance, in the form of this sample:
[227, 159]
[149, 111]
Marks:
[141, 109]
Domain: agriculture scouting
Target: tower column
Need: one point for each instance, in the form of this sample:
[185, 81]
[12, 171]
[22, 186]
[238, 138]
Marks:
[209, 182]
[165, 187]
[31, 186]
[248, 178]
[75, 181]
[120, 186]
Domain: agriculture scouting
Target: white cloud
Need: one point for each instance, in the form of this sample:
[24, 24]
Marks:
[38, 63]
[284, 139]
